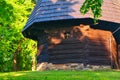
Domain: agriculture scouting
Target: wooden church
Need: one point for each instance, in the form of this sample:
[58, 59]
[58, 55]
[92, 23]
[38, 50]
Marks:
[66, 36]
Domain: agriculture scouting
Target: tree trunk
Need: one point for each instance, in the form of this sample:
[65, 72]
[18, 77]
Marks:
[15, 62]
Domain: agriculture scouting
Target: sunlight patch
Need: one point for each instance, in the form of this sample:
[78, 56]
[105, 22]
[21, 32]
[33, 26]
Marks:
[17, 74]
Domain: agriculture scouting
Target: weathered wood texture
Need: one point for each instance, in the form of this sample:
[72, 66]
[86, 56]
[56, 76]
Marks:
[82, 45]
[119, 55]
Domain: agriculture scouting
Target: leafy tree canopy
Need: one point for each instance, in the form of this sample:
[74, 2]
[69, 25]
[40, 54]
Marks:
[14, 48]
[94, 6]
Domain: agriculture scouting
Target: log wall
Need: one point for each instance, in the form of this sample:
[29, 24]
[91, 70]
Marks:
[119, 55]
[81, 44]
[80, 52]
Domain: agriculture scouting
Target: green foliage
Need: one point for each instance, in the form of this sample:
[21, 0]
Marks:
[94, 6]
[13, 16]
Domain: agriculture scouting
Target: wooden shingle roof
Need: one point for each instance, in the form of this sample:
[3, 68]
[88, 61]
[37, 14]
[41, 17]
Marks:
[47, 11]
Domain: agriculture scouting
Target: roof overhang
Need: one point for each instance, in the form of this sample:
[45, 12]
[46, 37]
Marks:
[38, 28]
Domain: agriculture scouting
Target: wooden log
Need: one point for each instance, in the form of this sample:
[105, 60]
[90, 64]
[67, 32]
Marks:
[68, 46]
[78, 46]
[101, 53]
[100, 62]
[62, 61]
[119, 55]
[70, 41]
[93, 58]
[67, 51]
[79, 51]
[67, 56]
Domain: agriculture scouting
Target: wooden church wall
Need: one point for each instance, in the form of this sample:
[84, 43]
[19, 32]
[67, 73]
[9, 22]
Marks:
[119, 55]
[81, 44]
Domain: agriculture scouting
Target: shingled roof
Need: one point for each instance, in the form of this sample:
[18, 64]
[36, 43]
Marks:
[47, 12]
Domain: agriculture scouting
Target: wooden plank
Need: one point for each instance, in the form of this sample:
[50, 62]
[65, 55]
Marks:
[78, 46]
[100, 62]
[58, 61]
[82, 53]
[68, 46]
[68, 56]
[96, 55]
[77, 55]
[100, 51]
[79, 51]
[84, 61]
[98, 43]
[90, 41]
[119, 55]
[73, 40]
[67, 51]
[97, 39]
[98, 58]
[96, 47]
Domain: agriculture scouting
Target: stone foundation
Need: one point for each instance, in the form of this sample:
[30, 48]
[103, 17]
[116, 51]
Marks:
[70, 66]
[42, 66]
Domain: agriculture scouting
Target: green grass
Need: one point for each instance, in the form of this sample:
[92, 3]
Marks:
[61, 75]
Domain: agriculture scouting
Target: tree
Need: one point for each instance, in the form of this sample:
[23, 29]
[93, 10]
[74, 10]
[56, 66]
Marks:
[14, 48]
[94, 6]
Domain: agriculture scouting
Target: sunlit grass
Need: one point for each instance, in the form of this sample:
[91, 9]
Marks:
[61, 75]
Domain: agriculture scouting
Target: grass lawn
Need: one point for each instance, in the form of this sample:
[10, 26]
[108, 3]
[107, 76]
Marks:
[61, 75]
